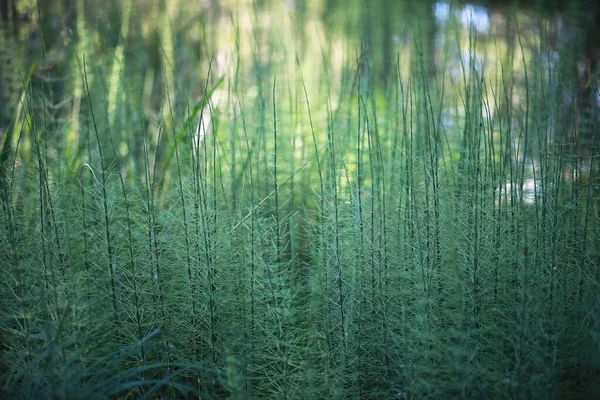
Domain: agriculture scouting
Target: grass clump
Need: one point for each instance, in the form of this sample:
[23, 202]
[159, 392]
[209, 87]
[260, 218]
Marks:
[433, 237]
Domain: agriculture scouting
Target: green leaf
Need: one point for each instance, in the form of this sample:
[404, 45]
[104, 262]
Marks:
[11, 132]
[181, 133]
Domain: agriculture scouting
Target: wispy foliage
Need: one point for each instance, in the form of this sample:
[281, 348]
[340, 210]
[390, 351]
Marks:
[433, 237]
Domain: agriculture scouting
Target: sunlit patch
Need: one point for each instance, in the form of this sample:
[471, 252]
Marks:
[441, 11]
[299, 146]
[474, 15]
[222, 62]
[531, 190]
[204, 127]
[251, 93]
[124, 149]
[218, 97]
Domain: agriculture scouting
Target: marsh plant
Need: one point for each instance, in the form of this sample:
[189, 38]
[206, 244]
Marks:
[298, 233]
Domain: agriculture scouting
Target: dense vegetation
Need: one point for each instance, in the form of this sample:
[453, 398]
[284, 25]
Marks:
[313, 233]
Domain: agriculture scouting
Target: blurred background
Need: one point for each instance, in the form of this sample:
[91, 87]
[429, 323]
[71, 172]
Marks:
[138, 46]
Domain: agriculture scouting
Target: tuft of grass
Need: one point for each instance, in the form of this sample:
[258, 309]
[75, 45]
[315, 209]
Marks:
[434, 236]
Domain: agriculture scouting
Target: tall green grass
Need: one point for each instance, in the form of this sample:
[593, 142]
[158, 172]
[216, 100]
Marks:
[434, 238]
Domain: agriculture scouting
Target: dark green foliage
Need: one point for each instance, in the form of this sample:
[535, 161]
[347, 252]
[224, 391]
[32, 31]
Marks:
[356, 242]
